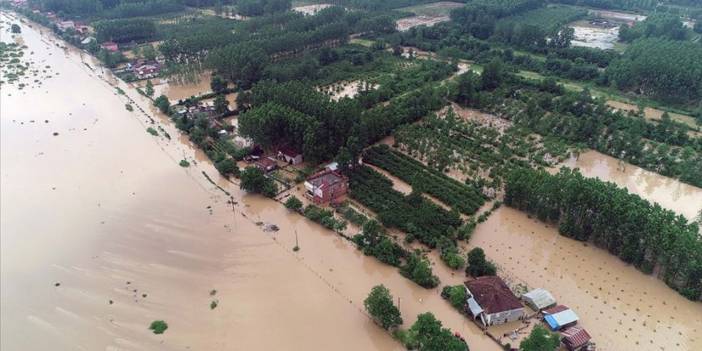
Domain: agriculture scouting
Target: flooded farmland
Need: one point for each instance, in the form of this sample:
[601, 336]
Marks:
[669, 193]
[619, 306]
[103, 232]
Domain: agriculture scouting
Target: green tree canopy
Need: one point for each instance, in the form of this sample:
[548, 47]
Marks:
[380, 306]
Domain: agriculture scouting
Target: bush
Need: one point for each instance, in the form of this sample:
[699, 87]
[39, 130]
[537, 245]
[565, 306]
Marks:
[184, 163]
[152, 131]
[478, 265]
[163, 104]
[293, 203]
[540, 339]
[324, 217]
[379, 305]
[158, 327]
[427, 334]
[419, 271]
[456, 295]
[254, 180]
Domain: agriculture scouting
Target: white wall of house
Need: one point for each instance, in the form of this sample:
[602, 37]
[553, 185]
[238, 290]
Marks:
[502, 317]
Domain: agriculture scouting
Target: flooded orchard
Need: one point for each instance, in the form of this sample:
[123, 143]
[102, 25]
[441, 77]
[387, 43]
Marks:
[621, 308]
[103, 232]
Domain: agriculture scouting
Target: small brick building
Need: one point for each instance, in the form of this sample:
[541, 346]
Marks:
[326, 186]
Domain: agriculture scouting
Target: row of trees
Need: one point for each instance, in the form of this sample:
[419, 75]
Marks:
[665, 69]
[638, 232]
[420, 218]
[459, 196]
[124, 30]
[657, 25]
[109, 8]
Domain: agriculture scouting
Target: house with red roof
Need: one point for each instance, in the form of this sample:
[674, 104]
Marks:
[491, 301]
[110, 46]
[266, 164]
[289, 155]
[326, 186]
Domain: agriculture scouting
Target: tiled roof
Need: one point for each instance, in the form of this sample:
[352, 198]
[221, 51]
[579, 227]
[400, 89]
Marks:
[575, 337]
[493, 295]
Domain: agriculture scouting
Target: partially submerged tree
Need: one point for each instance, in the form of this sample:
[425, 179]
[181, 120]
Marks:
[379, 305]
[254, 180]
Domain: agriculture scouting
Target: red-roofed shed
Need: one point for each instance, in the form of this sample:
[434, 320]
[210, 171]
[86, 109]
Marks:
[575, 338]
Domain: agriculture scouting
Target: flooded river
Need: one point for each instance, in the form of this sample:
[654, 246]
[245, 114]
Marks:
[103, 232]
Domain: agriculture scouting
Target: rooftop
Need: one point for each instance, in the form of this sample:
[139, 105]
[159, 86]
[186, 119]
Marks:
[541, 298]
[323, 178]
[575, 337]
[556, 309]
[493, 294]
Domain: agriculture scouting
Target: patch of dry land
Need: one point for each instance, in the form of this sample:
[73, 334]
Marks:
[602, 32]
[311, 9]
[427, 15]
[347, 89]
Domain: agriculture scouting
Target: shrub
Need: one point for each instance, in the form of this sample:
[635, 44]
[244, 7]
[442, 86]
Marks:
[478, 265]
[184, 163]
[158, 327]
[152, 131]
[456, 295]
[293, 203]
[419, 271]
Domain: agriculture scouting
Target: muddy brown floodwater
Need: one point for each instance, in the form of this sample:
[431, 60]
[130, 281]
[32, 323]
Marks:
[103, 232]
[672, 194]
[619, 306]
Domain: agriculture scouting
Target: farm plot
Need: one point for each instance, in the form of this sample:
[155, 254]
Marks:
[547, 18]
[417, 216]
[459, 196]
[481, 152]
[347, 89]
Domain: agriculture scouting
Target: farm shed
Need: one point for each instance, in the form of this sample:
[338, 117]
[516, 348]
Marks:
[575, 338]
[538, 299]
[561, 319]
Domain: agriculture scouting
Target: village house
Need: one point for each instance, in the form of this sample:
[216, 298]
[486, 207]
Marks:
[143, 69]
[326, 186]
[538, 299]
[266, 164]
[559, 317]
[82, 28]
[575, 339]
[492, 302]
[66, 25]
[289, 155]
[110, 46]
